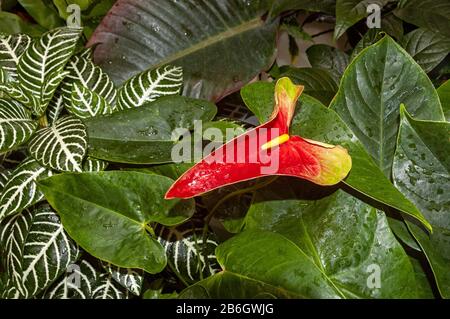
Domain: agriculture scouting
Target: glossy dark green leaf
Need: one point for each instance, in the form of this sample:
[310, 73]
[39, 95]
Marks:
[431, 14]
[421, 171]
[372, 88]
[43, 12]
[11, 23]
[318, 83]
[209, 39]
[279, 6]
[343, 237]
[107, 214]
[313, 120]
[428, 48]
[444, 96]
[348, 12]
[392, 25]
[143, 135]
[327, 57]
[372, 36]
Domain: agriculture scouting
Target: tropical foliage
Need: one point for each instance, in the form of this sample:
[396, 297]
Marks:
[87, 132]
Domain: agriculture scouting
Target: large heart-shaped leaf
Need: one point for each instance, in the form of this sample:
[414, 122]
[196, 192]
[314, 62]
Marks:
[107, 214]
[41, 65]
[317, 122]
[144, 134]
[422, 172]
[428, 48]
[327, 57]
[429, 14]
[210, 39]
[342, 236]
[20, 191]
[61, 146]
[86, 74]
[372, 88]
[16, 125]
[150, 85]
[11, 49]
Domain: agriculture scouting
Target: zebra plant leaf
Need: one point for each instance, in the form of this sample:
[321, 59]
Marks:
[131, 279]
[21, 191]
[94, 165]
[77, 283]
[84, 72]
[13, 234]
[11, 49]
[40, 68]
[4, 77]
[108, 288]
[61, 146]
[86, 103]
[14, 91]
[55, 108]
[188, 255]
[149, 85]
[16, 125]
[47, 251]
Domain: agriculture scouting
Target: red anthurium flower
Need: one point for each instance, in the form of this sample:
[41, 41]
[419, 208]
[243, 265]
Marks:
[266, 150]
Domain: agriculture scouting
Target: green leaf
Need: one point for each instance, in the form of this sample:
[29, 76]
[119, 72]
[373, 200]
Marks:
[371, 90]
[46, 252]
[150, 85]
[342, 236]
[348, 12]
[327, 6]
[318, 83]
[329, 58]
[16, 125]
[20, 191]
[86, 74]
[86, 103]
[11, 49]
[421, 171]
[190, 253]
[40, 67]
[61, 146]
[11, 23]
[77, 283]
[444, 95]
[213, 52]
[107, 288]
[372, 36]
[143, 135]
[107, 214]
[13, 235]
[429, 14]
[131, 279]
[314, 121]
[392, 26]
[428, 48]
[43, 13]
[55, 108]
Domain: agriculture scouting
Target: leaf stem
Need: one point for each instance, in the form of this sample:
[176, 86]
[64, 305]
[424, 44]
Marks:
[150, 230]
[43, 122]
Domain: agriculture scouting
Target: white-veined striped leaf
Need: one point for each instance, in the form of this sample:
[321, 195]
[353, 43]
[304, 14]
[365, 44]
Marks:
[131, 279]
[189, 256]
[86, 53]
[55, 108]
[77, 283]
[94, 165]
[16, 125]
[21, 190]
[86, 103]
[13, 234]
[84, 72]
[149, 85]
[108, 288]
[4, 176]
[14, 91]
[9, 290]
[61, 146]
[47, 251]
[40, 68]
[4, 77]
[11, 49]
